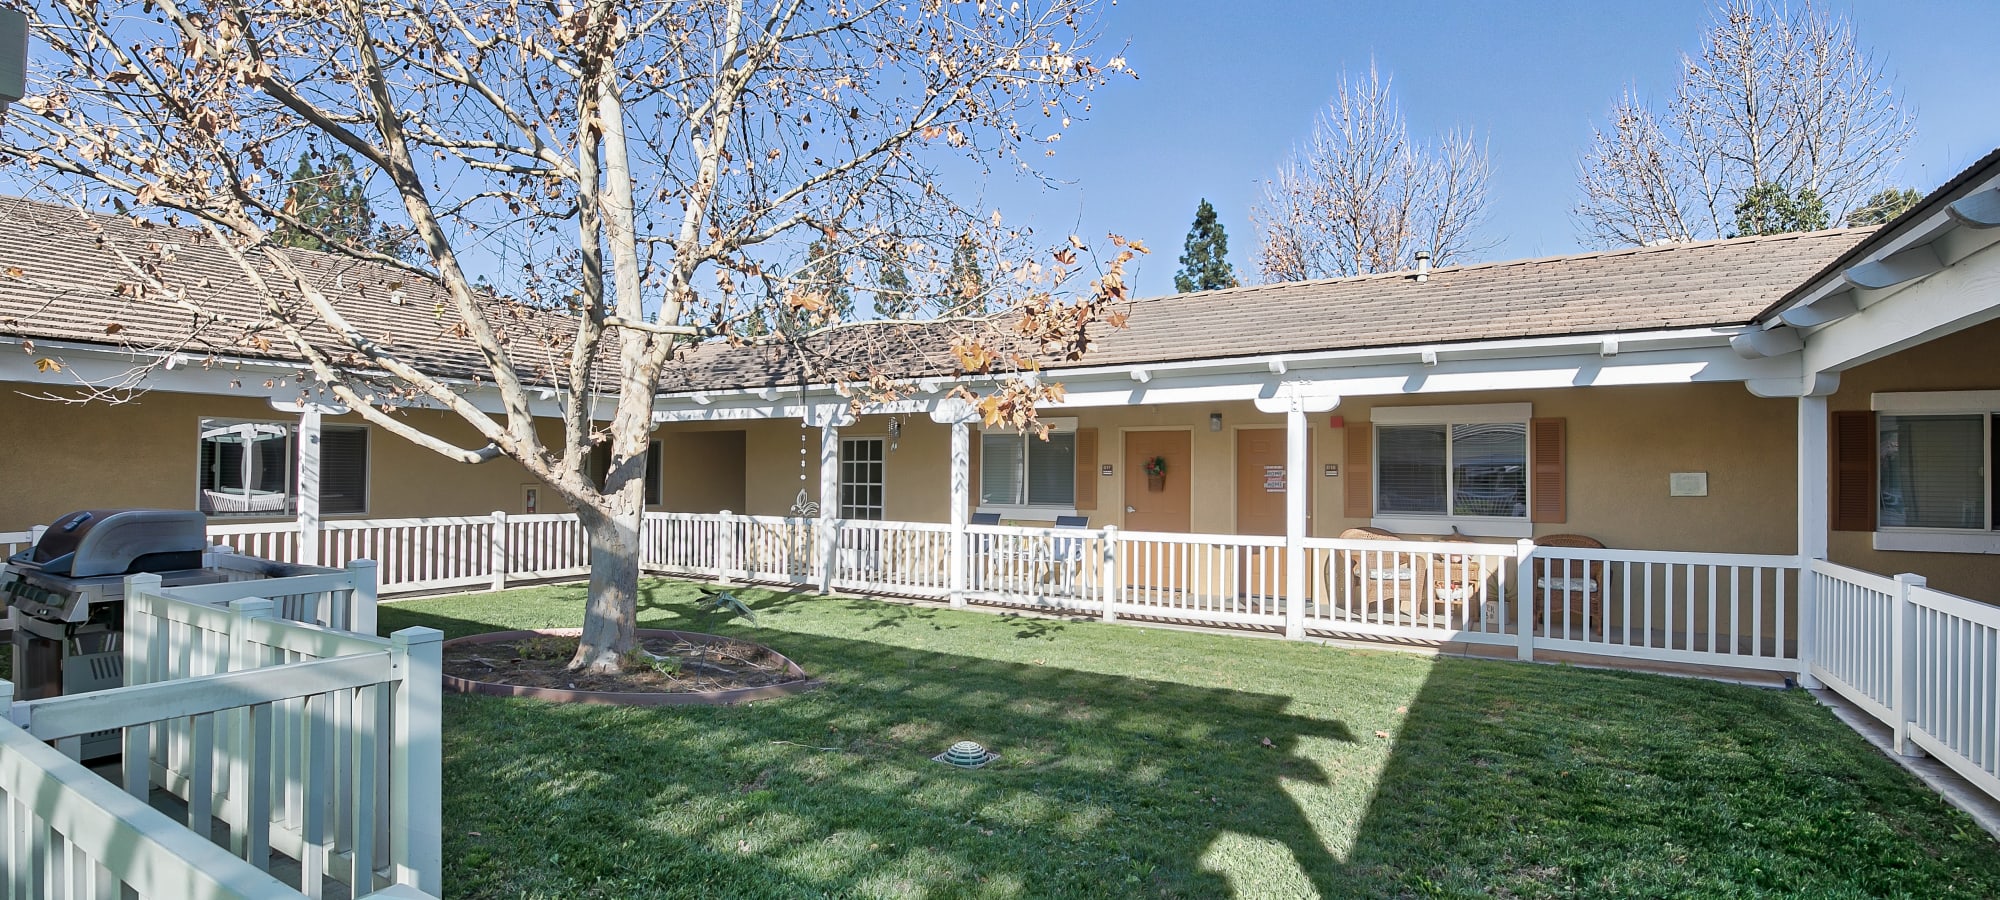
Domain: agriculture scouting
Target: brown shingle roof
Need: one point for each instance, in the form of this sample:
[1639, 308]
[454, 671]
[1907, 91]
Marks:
[73, 286]
[1706, 284]
[70, 290]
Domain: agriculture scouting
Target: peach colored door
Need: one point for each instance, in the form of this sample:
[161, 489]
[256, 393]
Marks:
[1157, 504]
[1260, 508]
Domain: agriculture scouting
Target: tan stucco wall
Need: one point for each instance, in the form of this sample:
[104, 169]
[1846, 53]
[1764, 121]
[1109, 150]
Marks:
[1623, 443]
[1965, 361]
[701, 471]
[58, 457]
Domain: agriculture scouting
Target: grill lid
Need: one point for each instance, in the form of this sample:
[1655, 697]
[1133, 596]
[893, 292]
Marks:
[118, 541]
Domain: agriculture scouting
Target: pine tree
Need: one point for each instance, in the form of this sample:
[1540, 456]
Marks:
[825, 278]
[1769, 208]
[894, 298]
[965, 288]
[1205, 261]
[1887, 204]
[330, 199]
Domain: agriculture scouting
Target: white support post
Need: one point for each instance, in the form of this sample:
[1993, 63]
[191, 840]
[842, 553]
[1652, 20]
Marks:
[1903, 662]
[961, 510]
[361, 607]
[829, 501]
[35, 534]
[139, 628]
[416, 658]
[725, 547]
[1114, 588]
[1813, 524]
[309, 430]
[498, 550]
[1298, 489]
[1524, 604]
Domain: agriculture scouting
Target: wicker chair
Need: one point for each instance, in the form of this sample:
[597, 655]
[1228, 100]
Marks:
[1381, 580]
[1577, 586]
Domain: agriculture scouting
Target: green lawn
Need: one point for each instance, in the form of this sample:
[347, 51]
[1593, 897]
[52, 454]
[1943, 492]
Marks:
[1142, 762]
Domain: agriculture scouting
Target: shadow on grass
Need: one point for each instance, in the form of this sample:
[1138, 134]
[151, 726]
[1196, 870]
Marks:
[1318, 772]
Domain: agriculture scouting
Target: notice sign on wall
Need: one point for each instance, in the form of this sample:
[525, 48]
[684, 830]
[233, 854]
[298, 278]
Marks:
[1274, 479]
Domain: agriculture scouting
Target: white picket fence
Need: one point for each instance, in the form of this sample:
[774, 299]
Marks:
[316, 742]
[1924, 662]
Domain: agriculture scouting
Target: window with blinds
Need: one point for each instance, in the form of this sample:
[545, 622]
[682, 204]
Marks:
[1026, 470]
[1458, 469]
[343, 470]
[249, 468]
[1932, 471]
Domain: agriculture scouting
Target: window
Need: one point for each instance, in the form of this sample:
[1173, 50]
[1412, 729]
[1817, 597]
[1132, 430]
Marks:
[1459, 462]
[1933, 471]
[861, 475]
[600, 469]
[251, 469]
[1023, 470]
[1917, 470]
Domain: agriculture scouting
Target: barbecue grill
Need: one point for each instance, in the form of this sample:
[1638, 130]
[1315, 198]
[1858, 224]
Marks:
[65, 595]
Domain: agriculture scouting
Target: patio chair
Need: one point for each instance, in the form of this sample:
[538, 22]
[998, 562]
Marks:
[1573, 585]
[980, 518]
[1455, 581]
[1066, 553]
[1382, 579]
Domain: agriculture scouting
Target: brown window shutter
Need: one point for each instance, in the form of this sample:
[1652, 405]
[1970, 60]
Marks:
[1547, 452]
[1086, 468]
[1853, 471]
[1359, 486]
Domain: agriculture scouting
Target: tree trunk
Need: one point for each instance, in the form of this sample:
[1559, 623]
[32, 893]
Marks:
[611, 614]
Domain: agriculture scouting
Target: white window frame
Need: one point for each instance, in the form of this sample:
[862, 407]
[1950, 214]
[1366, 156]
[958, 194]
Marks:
[1986, 405]
[293, 498]
[1449, 415]
[840, 488]
[1029, 511]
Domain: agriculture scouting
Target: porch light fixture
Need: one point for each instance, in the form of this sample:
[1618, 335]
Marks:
[966, 755]
[1215, 421]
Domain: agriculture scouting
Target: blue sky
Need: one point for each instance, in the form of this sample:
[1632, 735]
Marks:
[1227, 88]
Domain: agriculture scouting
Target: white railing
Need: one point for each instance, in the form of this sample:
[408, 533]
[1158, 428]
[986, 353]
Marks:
[686, 543]
[276, 541]
[1952, 656]
[1226, 579]
[65, 832]
[910, 558]
[417, 554]
[1924, 662]
[1047, 568]
[769, 548]
[1854, 635]
[1730, 609]
[1412, 589]
[12, 542]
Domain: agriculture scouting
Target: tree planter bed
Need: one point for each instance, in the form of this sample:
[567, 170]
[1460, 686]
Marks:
[768, 663]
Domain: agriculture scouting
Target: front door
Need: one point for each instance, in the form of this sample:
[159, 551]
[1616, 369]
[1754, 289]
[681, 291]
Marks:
[1157, 503]
[1154, 572]
[1261, 486]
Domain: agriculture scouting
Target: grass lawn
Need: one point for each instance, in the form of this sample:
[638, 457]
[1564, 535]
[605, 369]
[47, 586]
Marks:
[1143, 762]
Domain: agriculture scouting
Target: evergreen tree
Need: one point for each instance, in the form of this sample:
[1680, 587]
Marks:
[1769, 208]
[823, 277]
[1205, 261]
[330, 199]
[894, 298]
[1885, 205]
[965, 288]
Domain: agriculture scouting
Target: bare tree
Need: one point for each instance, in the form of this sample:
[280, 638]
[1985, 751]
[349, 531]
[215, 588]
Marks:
[1777, 99]
[1361, 197]
[654, 165]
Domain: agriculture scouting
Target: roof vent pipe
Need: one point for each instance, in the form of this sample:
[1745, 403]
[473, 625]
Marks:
[1423, 265]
